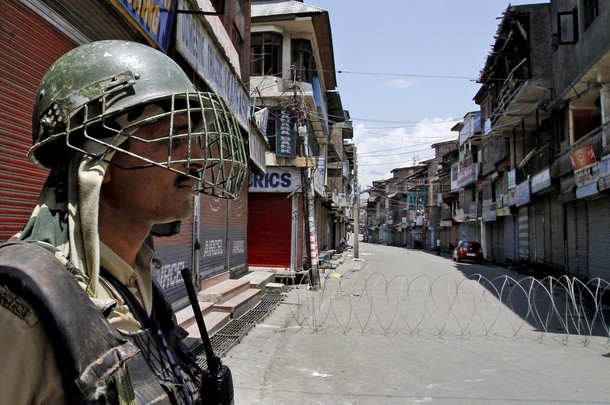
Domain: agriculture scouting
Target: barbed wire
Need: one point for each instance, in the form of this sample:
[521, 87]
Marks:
[563, 309]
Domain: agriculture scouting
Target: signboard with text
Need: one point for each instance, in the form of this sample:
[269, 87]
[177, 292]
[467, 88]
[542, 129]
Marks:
[582, 157]
[199, 49]
[285, 135]
[154, 17]
[276, 180]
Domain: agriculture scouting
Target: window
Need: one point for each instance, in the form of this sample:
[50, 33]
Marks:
[303, 60]
[266, 54]
[271, 128]
[567, 27]
[591, 11]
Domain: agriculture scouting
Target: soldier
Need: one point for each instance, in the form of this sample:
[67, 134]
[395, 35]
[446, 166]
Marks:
[128, 142]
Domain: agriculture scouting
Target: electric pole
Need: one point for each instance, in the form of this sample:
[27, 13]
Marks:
[357, 209]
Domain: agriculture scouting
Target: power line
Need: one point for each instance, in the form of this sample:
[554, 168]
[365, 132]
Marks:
[407, 75]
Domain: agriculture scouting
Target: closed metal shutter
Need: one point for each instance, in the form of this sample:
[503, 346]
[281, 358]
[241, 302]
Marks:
[599, 238]
[238, 232]
[556, 227]
[576, 237]
[523, 234]
[213, 236]
[174, 254]
[581, 238]
[499, 242]
[510, 238]
[488, 246]
[28, 45]
[539, 236]
[269, 230]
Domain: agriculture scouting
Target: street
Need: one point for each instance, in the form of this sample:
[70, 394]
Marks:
[407, 327]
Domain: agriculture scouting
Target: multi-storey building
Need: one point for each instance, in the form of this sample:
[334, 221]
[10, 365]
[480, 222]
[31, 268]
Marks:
[532, 174]
[516, 80]
[209, 39]
[302, 201]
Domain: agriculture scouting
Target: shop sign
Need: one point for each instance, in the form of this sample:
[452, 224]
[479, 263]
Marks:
[512, 179]
[512, 197]
[154, 17]
[445, 224]
[586, 175]
[582, 157]
[523, 193]
[541, 180]
[276, 180]
[261, 117]
[195, 44]
[503, 212]
[489, 211]
[467, 175]
[586, 191]
[285, 135]
[318, 183]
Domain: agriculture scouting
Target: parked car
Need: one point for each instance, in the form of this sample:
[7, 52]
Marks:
[467, 250]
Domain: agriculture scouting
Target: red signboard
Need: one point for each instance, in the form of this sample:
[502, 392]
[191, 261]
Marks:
[582, 157]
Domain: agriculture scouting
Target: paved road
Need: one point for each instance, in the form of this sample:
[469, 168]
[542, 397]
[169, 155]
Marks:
[402, 326]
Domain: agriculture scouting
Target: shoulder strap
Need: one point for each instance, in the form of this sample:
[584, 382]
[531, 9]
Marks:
[132, 302]
[36, 275]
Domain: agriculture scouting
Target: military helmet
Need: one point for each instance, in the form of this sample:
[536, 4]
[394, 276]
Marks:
[86, 102]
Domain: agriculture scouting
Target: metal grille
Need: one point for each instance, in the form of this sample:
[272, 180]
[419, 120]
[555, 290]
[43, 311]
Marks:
[232, 333]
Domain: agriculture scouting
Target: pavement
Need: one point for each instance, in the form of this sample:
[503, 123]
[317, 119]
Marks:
[328, 347]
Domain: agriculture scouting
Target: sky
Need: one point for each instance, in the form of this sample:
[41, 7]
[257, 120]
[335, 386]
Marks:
[407, 72]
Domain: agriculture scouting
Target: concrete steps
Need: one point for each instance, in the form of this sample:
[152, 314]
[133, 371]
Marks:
[223, 299]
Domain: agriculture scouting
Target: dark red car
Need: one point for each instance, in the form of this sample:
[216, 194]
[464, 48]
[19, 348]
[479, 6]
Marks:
[468, 251]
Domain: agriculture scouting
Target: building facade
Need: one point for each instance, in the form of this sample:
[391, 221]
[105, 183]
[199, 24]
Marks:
[530, 177]
[36, 32]
[301, 203]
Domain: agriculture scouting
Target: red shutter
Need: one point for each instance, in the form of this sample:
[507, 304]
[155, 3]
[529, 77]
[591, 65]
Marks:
[269, 229]
[28, 45]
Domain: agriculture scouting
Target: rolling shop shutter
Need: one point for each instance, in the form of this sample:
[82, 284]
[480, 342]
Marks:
[269, 230]
[539, 236]
[238, 231]
[523, 234]
[28, 45]
[509, 237]
[174, 254]
[576, 237]
[599, 238]
[557, 239]
[213, 236]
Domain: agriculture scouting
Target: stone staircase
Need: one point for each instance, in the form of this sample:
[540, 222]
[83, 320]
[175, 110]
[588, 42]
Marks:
[223, 299]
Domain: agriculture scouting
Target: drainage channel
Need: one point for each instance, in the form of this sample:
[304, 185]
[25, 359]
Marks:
[232, 333]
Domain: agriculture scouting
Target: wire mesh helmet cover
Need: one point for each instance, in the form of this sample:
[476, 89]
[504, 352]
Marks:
[83, 94]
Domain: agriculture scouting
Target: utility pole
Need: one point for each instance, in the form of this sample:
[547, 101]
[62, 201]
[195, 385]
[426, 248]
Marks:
[309, 190]
[314, 273]
[356, 209]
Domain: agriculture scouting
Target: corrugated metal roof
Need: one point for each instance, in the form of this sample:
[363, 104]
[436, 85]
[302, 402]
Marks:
[282, 7]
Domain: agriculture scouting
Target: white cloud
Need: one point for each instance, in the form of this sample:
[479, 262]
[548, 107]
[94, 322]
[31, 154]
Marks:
[380, 150]
[401, 83]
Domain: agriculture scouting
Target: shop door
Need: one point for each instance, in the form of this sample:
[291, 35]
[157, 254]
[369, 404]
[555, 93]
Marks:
[269, 230]
[28, 45]
[599, 238]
